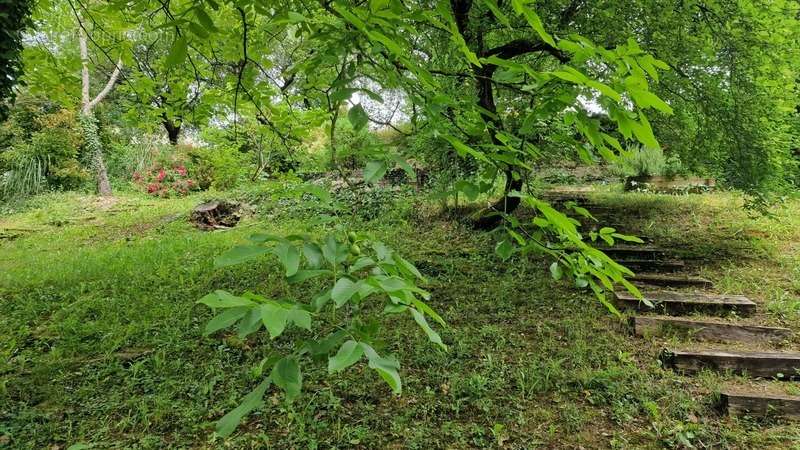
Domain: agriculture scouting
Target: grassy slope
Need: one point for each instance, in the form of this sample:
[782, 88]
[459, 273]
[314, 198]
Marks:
[102, 342]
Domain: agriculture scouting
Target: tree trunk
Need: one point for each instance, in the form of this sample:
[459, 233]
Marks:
[173, 130]
[103, 185]
[88, 120]
[91, 137]
[491, 217]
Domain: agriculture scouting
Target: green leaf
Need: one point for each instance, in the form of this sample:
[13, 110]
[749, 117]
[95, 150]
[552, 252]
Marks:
[343, 290]
[228, 423]
[204, 19]
[198, 30]
[504, 249]
[403, 164]
[250, 323]
[357, 117]
[313, 254]
[469, 189]
[374, 171]
[407, 266]
[393, 284]
[326, 345]
[240, 254]
[303, 275]
[555, 271]
[289, 257]
[533, 20]
[224, 299]
[348, 354]
[646, 99]
[274, 318]
[362, 263]
[628, 238]
[225, 319]
[495, 9]
[260, 238]
[433, 336]
[286, 375]
[386, 368]
[177, 53]
[463, 149]
[300, 318]
[295, 17]
[643, 131]
[377, 5]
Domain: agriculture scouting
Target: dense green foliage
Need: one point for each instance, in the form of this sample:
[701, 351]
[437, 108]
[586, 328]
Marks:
[13, 22]
[464, 97]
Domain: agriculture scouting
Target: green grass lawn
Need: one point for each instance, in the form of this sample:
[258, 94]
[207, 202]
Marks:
[102, 341]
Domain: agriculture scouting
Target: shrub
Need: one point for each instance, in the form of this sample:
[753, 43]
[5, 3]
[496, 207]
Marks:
[166, 181]
[43, 154]
[640, 161]
[220, 168]
[366, 201]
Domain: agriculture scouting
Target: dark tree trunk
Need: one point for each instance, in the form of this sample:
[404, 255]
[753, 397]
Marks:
[511, 49]
[491, 217]
[173, 130]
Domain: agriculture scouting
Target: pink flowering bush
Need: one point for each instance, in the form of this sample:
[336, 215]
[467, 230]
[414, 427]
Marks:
[166, 182]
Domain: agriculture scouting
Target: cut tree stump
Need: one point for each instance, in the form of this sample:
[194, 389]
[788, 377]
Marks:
[656, 279]
[672, 303]
[760, 404]
[783, 366]
[653, 265]
[705, 330]
[216, 214]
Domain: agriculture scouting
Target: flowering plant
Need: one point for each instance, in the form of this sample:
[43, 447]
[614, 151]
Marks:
[165, 182]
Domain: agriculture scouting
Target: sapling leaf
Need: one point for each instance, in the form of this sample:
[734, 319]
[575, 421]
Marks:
[504, 249]
[349, 353]
[555, 271]
[303, 275]
[343, 290]
[433, 336]
[228, 423]
[240, 254]
[300, 317]
[357, 117]
[224, 299]
[225, 319]
[374, 171]
[386, 368]
[286, 375]
[274, 318]
[250, 323]
[289, 257]
[313, 255]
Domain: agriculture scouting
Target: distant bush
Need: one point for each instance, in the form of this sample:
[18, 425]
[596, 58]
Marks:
[643, 161]
[220, 168]
[42, 151]
[166, 181]
[366, 201]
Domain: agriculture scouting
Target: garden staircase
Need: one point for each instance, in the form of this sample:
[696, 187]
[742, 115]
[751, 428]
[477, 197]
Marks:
[666, 303]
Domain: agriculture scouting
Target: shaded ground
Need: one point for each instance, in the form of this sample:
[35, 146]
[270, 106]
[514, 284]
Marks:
[102, 342]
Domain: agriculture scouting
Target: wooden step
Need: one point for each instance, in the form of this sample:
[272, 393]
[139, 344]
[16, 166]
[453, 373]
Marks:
[783, 366]
[705, 330]
[657, 279]
[757, 404]
[672, 303]
[652, 265]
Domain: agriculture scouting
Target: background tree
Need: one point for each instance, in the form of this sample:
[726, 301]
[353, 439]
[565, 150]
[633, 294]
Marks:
[13, 21]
